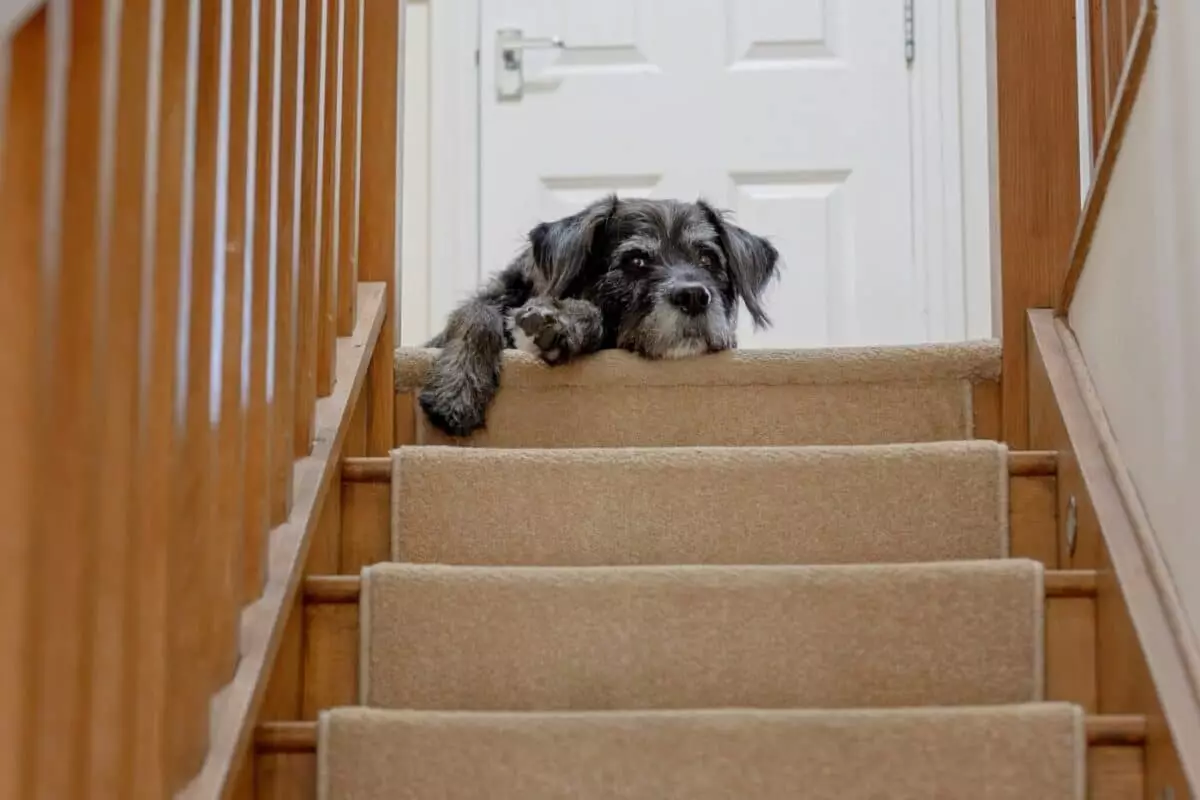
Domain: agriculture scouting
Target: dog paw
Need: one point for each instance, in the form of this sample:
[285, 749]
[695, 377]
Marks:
[538, 328]
[456, 415]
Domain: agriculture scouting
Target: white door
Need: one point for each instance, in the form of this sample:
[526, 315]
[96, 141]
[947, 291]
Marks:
[794, 114]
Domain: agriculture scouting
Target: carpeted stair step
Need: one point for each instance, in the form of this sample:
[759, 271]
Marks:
[746, 397]
[763, 505]
[596, 638]
[1018, 752]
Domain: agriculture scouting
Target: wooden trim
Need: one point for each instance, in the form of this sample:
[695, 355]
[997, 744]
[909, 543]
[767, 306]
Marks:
[378, 469]
[1037, 158]
[1032, 462]
[346, 588]
[1070, 583]
[1147, 594]
[235, 709]
[371, 469]
[1103, 730]
[1114, 135]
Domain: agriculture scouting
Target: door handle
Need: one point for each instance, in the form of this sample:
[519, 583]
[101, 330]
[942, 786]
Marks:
[511, 44]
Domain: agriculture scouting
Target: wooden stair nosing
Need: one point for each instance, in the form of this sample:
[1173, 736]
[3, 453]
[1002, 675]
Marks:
[378, 469]
[1103, 730]
[332, 589]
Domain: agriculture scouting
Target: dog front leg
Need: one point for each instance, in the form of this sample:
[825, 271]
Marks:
[555, 330]
[466, 374]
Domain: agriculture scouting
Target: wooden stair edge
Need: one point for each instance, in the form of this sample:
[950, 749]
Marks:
[1103, 730]
[378, 469]
[332, 589]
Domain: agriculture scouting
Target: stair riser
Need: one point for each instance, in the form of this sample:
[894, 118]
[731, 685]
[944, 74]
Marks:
[778, 505]
[331, 640]
[365, 535]
[750, 397]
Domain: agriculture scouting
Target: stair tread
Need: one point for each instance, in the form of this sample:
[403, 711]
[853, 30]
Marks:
[1018, 751]
[953, 633]
[743, 505]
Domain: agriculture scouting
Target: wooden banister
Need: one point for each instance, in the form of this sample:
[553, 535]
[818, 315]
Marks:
[190, 335]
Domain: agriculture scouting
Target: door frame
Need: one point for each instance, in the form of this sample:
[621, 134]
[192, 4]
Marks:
[955, 202]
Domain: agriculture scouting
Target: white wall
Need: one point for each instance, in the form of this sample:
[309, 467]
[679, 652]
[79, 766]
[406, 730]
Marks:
[1137, 310]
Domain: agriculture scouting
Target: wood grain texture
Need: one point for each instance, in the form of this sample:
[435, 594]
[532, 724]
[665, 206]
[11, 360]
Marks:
[1032, 510]
[123, 147]
[1137, 671]
[382, 55]
[260, 419]
[330, 657]
[405, 419]
[1038, 156]
[1116, 773]
[66, 466]
[308, 227]
[1071, 651]
[1097, 73]
[193, 560]
[284, 695]
[324, 554]
[330, 147]
[1124, 95]
[237, 708]
[23, 325]
[286, 776]
[234, 282]
[157, 460]
[349, 65]
[285, 208]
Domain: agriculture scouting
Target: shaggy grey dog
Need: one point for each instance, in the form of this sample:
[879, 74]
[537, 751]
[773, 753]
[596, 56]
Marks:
[661, 278]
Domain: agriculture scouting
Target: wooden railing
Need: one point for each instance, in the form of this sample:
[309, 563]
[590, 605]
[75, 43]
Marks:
[198, 236]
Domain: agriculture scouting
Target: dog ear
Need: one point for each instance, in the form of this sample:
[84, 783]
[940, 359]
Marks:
[752, 260]
[561, 249]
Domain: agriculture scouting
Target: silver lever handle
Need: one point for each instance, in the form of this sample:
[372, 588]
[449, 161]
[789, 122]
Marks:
[510, 61]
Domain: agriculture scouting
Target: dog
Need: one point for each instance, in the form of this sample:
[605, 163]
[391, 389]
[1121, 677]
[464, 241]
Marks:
[660, 278]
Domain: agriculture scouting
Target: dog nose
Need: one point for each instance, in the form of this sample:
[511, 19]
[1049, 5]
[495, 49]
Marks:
[692, 299]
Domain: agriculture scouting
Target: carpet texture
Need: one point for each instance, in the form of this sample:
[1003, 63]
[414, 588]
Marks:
[1018, 752]
[555, 638]
[749, 397]
[804, 505]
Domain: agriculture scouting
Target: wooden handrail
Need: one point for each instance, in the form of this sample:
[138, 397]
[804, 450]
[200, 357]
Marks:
[1117, 121]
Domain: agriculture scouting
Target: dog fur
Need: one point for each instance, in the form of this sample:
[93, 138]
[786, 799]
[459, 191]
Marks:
[660, 278]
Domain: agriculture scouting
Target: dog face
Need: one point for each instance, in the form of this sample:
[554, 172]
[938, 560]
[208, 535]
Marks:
[666, 275]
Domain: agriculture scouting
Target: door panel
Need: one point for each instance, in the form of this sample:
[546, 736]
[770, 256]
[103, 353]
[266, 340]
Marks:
[794, 114]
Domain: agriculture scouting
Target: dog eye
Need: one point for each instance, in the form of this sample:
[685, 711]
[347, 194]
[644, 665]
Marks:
[706, 260]
[637, 260]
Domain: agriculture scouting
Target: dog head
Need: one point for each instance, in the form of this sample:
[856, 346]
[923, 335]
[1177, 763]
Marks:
[666, 274]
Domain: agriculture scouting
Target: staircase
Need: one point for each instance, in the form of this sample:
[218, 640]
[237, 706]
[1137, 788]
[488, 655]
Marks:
[754, 574]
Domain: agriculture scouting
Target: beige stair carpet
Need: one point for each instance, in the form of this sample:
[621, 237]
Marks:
[765, 505]
[594, 638]
[1020, 752]
[841, 395]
